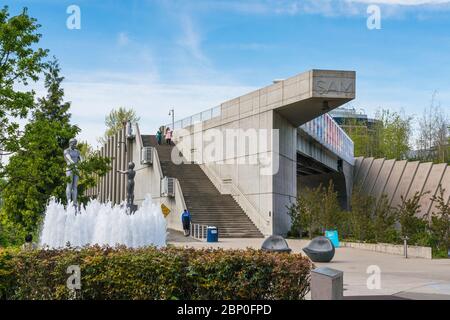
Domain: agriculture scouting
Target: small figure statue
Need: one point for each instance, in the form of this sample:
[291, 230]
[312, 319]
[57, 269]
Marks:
[73, 157]
[130, 186]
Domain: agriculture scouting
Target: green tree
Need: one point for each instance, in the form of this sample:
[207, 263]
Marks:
[20, 63]
[331, 210]
[92, 167]
[393, 132]
[440, 224]
[304, 212]
[363, 138]
[360, 224]
[116, 120]
[413, 227]
[433, 136]
[388, 137]
[384, 222]
[37, 170]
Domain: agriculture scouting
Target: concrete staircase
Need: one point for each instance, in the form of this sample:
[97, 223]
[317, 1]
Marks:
[205, 203]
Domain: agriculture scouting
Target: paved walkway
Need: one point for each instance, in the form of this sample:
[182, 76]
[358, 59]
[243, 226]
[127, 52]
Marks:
[403, 278]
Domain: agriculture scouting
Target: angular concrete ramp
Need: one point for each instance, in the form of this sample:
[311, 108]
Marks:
[394, 179]
[397, 179]
[405, 183]
[382, 179]
[419, 180]
[372, 175]
[363, 171]
[435, 178]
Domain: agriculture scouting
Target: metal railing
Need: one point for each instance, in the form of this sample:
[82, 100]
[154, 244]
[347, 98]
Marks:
[197, 118]
[198, 231]
[323, 128]
[327, 132]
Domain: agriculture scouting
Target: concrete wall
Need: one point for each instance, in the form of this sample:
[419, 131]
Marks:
[397, 179]
[413, 251]
[112, 187]
[239, 174]
[279, 108]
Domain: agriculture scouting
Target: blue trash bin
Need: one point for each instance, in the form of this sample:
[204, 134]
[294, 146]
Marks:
[333, 236]
[212, 234]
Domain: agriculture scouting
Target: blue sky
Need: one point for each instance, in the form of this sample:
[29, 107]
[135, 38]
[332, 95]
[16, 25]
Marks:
[193, 55]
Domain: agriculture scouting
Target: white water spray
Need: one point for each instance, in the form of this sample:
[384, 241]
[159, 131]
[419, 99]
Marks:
[103, 224]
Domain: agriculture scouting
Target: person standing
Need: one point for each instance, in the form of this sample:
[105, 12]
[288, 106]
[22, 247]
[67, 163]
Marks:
[186, 221]
[159, 136]
[168, 136]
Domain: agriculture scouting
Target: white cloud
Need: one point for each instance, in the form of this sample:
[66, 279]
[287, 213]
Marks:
[122, 39]
[191, 40]
[93, 96]
[328, 8]
[403, 2]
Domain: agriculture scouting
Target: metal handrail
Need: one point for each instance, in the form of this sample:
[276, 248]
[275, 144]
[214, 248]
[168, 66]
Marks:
[323, 128]
[198, 231]
[197, 118]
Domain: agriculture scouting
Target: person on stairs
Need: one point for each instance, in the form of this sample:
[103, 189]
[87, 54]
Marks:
[168, 136]
[159, 136]
[186, 221]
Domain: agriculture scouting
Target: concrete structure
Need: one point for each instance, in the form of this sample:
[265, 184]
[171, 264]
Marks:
[327, 284]
[403, 179]
[389, 248]
[288, 115]
[279, 109]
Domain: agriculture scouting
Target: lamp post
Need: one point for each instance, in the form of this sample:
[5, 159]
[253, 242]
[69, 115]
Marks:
[405, 246]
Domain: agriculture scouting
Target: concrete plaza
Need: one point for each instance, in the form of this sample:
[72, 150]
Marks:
[412, 278]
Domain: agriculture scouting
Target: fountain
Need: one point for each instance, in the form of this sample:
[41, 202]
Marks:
[101, 223]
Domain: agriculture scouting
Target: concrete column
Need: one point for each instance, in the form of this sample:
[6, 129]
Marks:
[119, 165]
[285, 180]
[118, 162]
[101, 193]
[108, 176]
[124, 162]
[114, 168]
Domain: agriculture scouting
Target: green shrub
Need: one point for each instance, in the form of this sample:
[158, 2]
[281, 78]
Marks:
[316, 210]
[150, 273]
[384, 220]
[439, 224]
[411, 225]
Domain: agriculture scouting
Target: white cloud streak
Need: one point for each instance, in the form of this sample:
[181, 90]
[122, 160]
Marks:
[93, 97]
[403, 2]
[329, 8]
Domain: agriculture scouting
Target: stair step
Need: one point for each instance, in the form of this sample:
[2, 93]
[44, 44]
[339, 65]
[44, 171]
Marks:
[206, 204]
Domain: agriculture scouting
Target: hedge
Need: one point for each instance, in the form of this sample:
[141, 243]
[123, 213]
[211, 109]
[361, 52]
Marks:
[150, 273]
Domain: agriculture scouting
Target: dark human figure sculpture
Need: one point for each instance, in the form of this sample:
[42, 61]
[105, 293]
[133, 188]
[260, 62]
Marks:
[73, 157]
[29, 245]
[130, 186]
[320, 249]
